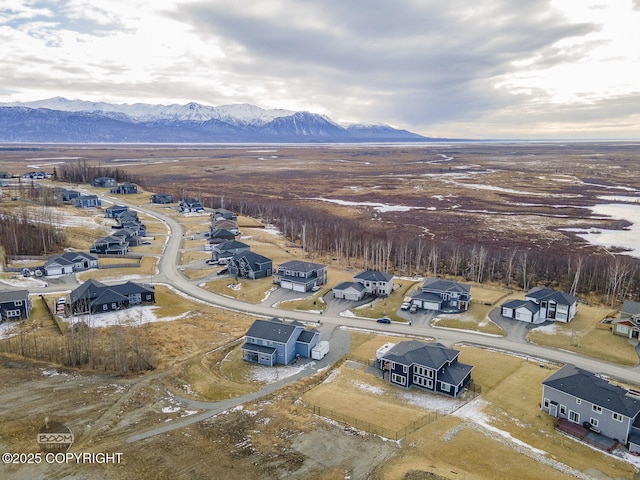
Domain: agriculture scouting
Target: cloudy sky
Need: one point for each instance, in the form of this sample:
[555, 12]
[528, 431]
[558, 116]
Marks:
[456, 68]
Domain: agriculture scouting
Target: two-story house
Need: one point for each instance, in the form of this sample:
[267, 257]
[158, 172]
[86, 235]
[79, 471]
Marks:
[375, 283]
[628, 325]
[125, 189]
[14, 305]
[541, 304]
[162, 198]
[429, 366]
[250, 265]
[111, 245]
[190, 205]
[222, 252]
[582, 398]
[104, 182]
[301, 276]
[270, 342]
[440, 294]
[87, 201]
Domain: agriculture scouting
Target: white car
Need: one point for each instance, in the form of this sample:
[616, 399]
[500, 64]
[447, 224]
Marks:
[405, 306]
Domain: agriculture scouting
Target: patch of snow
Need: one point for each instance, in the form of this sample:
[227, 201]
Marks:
[266, 374]
[186, 413]
[552, 329]
[24, 282]
[130, 317]
[170, 409]
[380, 207]
[368, 388]
[347, 313]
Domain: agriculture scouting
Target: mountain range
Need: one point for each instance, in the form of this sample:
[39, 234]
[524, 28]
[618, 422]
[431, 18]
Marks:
[59, 120]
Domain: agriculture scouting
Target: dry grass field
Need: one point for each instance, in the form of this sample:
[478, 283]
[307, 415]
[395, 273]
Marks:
[510, 196]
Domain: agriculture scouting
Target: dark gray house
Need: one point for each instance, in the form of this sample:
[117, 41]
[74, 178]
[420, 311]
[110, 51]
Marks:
[69, 195]
[222, 252]
[375, 282]
[95, 297]
[429, 366]
[269, 342]
[586, 400]
[301, 276]
[162, 198]
[87, 201]
[114, 210]
[110, 245]
[250, 265]
[125, 189]
[190, 205]
[442, 294]
[14, 305]
[224, 213]
[104, 182]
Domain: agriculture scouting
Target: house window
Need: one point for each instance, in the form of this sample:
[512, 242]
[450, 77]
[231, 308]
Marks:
[430, 373]
[105, 306]
[617, 417]
[18, 303]
[420, 381]
[594, 422]
[563, 410]
[114, 306]
[404, 368]
[397, 378]
[578, 401]
[445, 387]
[545, 403]
[596, 408]
[420, 371]
[13, 313]
[574, 416]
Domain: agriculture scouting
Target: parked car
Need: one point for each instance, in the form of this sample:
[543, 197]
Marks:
[405, 306]
[223, 271]
[384, 320]
[413, 309]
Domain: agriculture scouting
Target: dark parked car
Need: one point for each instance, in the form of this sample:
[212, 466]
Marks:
[384, 320]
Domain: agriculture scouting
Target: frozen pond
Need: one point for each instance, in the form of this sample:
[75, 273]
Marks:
[627, 239]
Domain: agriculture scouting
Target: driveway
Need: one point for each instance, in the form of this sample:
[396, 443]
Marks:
[515, 329]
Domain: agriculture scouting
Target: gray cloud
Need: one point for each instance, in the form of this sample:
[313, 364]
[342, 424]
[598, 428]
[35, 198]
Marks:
[426, 61]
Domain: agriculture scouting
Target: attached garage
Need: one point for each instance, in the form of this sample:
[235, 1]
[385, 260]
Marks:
[349, 291]
[286, 284]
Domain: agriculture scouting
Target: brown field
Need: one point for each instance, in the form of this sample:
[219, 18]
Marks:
[510, 196]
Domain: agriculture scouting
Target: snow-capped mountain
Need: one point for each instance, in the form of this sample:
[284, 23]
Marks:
[61, 120]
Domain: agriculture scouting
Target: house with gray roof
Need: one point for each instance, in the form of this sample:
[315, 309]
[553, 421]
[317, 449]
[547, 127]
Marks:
[375, 282]
[224, 213]
[190, 205]
[14, 305]
[222, 252]
[250, 265]
[114, 210]
[69, 195]
[440, 294]
[429, 366]
[540, 305]
[270, 342]
[70, 262]
[104, 182]
[349, 291]
[628, 324]
[87, 201]
[96, 297]
[162, 198]
[111, 245]
[590, 402]
[301, 276]
[125, 189]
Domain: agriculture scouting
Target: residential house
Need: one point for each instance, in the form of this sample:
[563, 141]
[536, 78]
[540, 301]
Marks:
[541, 304]
[375, 283]
[223, 252]
[130, 236]
[4, 174]
[301, 276]
[87, 201]
[585, 399]
[162, 198]
[69, 195]
[270, 342]
[190, 205]
[224, 213]
[221, 236]
[429, 366]
[349, 291]
[439, 294]
[114, 210]
[250, 265]
[125, 189]
[104, 182]
[70, 262]
[95, 297]
[110, 245]
[221, 223]
[14, 305]
[628, 325]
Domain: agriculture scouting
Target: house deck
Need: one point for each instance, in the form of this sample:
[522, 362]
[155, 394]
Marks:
[585, 435]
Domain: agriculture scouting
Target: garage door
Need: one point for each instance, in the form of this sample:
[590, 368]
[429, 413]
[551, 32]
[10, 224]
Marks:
[286, 284]
[431, 306]
[297, 287]
[352, 296]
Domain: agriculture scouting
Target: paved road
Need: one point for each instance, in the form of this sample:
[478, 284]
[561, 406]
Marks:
[169, 273]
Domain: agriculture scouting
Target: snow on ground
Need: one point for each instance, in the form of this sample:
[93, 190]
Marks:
[432, 402]
[347, 313]
[266, 374]
[552, 329]
[131, 317]
[271, 230]
[368, 388]
[473, 411]
[380, 207]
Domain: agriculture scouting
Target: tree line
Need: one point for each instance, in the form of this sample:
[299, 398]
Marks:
[374, 245]
[84, 172]
[29, 231]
